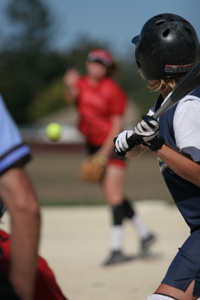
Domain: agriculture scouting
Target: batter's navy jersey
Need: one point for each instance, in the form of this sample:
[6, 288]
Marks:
[13, 151]
[185, 194]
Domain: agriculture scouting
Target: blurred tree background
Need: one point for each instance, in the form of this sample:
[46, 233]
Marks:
[31, 70]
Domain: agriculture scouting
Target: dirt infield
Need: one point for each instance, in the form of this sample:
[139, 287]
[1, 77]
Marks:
[75, 241]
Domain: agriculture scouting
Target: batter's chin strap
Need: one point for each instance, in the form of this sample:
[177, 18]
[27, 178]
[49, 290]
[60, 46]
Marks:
[161, 297]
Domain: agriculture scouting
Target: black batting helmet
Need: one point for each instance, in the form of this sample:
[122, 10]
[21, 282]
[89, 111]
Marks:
[167, 47]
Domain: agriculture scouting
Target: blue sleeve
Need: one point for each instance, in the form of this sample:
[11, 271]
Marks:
[12, 148]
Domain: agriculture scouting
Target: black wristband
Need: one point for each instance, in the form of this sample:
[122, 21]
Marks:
[155, 144]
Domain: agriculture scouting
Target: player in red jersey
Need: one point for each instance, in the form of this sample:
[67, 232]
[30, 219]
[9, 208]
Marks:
[101, 104]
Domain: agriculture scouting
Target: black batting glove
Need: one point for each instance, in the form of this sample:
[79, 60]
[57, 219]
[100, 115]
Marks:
[123, 141]
[147, 131]
[154, 144]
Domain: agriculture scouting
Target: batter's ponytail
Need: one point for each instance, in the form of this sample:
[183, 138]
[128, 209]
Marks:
[164, 85]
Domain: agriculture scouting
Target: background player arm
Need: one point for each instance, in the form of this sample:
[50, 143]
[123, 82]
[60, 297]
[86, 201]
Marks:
[71, 91]
[107, 147]
[20, 200]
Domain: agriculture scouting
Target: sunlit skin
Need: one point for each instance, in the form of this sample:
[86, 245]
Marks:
[21, 202]
[96, 71]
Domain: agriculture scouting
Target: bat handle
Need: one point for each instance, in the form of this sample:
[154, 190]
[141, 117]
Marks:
[131, 142]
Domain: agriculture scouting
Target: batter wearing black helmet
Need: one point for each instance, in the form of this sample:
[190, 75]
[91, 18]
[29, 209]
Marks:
[165, 51]
[167, 47]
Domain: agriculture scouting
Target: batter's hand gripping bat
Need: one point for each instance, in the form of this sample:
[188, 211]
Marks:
[189, 83]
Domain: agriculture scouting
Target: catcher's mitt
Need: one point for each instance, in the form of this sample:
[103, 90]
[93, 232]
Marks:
[93, 168]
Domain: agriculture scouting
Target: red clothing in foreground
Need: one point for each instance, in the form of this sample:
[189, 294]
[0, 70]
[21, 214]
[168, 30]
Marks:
[46, 286]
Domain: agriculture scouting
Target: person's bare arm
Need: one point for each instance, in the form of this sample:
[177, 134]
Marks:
[71, 92]
[18, 195]
[180, 164]
[147, 132]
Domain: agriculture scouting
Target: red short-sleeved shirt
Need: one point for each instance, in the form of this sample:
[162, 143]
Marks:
[97, 105]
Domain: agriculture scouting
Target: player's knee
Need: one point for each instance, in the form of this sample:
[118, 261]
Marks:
[160, 297]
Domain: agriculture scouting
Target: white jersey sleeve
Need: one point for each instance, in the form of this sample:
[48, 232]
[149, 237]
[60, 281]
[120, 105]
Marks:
[187, 126]
[12, 147]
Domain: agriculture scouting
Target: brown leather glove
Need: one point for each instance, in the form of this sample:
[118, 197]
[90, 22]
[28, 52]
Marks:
[93, 168]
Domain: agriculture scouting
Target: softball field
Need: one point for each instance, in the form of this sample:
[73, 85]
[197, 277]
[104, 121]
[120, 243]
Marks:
[75, 238]
[75, 241]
